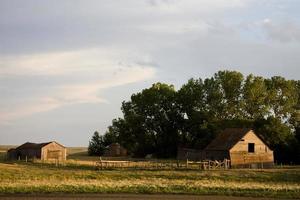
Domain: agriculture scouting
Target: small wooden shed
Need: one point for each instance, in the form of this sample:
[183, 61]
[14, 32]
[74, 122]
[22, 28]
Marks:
[115, 150]
[242, 147]
[44, 151]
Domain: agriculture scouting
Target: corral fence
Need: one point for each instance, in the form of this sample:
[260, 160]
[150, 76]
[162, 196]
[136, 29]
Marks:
[201, 165]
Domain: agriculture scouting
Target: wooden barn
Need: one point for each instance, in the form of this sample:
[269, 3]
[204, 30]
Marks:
[43, 151]
[242, 147]
[115, 150]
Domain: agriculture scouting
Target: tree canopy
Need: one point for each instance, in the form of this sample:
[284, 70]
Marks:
[160, 119]
[96, 145]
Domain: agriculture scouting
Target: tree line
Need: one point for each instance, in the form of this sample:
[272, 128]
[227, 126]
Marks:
[160, 119]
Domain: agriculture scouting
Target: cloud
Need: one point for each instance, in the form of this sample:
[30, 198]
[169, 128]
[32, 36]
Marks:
[181, 17]
[66, 62]
[282, 32]
[23, 110]
[172, 27]
[43, 27]
[75, 77]
[53, 55]
[205, 6]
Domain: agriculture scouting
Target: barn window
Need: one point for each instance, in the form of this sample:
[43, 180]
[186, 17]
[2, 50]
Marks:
[251, 147]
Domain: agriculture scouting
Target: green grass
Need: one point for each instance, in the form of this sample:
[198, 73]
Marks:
[41, 178]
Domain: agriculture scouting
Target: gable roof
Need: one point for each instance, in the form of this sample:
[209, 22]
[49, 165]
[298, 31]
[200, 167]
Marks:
[228, 138]
[29, 145]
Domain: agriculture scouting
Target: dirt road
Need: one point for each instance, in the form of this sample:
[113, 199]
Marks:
[122, 197]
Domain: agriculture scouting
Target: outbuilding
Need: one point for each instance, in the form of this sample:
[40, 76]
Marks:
[44, 151]
[115, 150]
[242, 146]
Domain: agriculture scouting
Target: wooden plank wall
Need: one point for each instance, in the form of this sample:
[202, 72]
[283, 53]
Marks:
[240, 158]
[48, 152]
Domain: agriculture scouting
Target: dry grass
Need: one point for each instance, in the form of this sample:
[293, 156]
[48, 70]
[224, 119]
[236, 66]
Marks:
[37, 178]
[4, 148]
[77, 151]
[79, 176]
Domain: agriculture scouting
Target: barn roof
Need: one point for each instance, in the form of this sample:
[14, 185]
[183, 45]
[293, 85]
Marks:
[29, 145]
[227, 139]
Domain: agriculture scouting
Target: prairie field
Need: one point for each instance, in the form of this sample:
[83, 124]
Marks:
[41, 178]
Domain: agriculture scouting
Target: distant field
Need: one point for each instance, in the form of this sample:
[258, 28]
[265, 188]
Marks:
[77, 150]
[80, 155]
[4, 148]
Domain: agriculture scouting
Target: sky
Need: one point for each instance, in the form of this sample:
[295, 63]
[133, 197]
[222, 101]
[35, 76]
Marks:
[67, 65]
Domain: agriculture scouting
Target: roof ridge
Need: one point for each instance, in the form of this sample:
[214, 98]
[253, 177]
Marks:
[226, 139]
[28, 145]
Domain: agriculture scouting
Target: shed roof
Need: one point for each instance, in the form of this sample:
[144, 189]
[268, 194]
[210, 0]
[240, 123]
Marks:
[29, 145]
[228, 138]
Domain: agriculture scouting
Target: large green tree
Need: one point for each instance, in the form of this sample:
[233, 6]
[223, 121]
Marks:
[151, 122]
[159, 119]
[282, 97]
[230, 88]
[192, 99]
[255, 95]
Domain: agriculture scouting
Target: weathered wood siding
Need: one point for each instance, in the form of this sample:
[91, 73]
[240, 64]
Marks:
[241, 159]
[239, 154]
[54, 151]
[250, 137]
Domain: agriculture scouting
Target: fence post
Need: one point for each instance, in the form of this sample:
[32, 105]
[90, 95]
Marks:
[101, 163]
[225, 163]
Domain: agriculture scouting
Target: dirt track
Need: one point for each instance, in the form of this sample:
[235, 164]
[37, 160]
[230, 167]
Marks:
[122, 197]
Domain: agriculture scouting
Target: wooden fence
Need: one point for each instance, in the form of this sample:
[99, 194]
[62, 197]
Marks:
[201, 165]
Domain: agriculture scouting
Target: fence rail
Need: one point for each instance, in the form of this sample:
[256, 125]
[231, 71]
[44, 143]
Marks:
[202, 165]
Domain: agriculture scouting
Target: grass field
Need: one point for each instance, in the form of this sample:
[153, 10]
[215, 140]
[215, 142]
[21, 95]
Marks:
[40, 178]
[37, 178]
